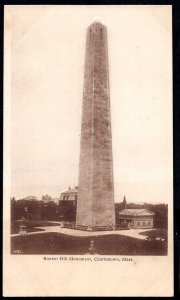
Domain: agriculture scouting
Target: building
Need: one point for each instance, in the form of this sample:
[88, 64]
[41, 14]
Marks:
[30, 198]
[70, 194]
[46, 198]
[136, 218]
[68, 205]
[95, 206]
[55, 200]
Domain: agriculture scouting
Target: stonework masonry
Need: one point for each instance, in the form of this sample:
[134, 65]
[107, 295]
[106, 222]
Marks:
[95, 207]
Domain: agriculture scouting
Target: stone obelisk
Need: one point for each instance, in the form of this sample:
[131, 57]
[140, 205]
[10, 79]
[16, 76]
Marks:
[95, 205]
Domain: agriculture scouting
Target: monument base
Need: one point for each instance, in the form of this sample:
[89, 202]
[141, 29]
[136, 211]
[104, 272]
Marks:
[95, 228]
[73, 225]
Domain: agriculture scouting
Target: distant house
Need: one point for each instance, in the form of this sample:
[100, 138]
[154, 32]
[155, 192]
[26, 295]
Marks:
[46, 198]
[70, 194]
[55, 200]
[136, 218]
[30, 198]
[68, 204]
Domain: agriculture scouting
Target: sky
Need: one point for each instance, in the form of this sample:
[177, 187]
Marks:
[47, 66]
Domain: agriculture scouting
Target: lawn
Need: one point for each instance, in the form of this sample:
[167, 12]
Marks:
[31, 225]
[57, 243]
[159, 232]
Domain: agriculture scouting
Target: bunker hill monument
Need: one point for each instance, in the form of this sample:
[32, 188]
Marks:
[95, 206]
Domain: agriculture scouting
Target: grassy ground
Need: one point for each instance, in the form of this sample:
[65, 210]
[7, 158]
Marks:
[31, 225]
[160, 232]
[57, 243]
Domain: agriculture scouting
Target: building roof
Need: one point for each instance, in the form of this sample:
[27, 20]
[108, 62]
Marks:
[136, 212]
[30, 198]
[69, 191]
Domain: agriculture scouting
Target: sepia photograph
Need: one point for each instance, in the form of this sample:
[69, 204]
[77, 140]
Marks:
[88, 106]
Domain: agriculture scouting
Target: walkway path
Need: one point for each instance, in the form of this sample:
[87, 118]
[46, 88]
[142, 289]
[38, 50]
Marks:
[135, 233]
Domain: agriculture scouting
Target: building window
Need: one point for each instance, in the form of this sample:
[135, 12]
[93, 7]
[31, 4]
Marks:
[149, 223]
[144, 223]
[138, 223]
